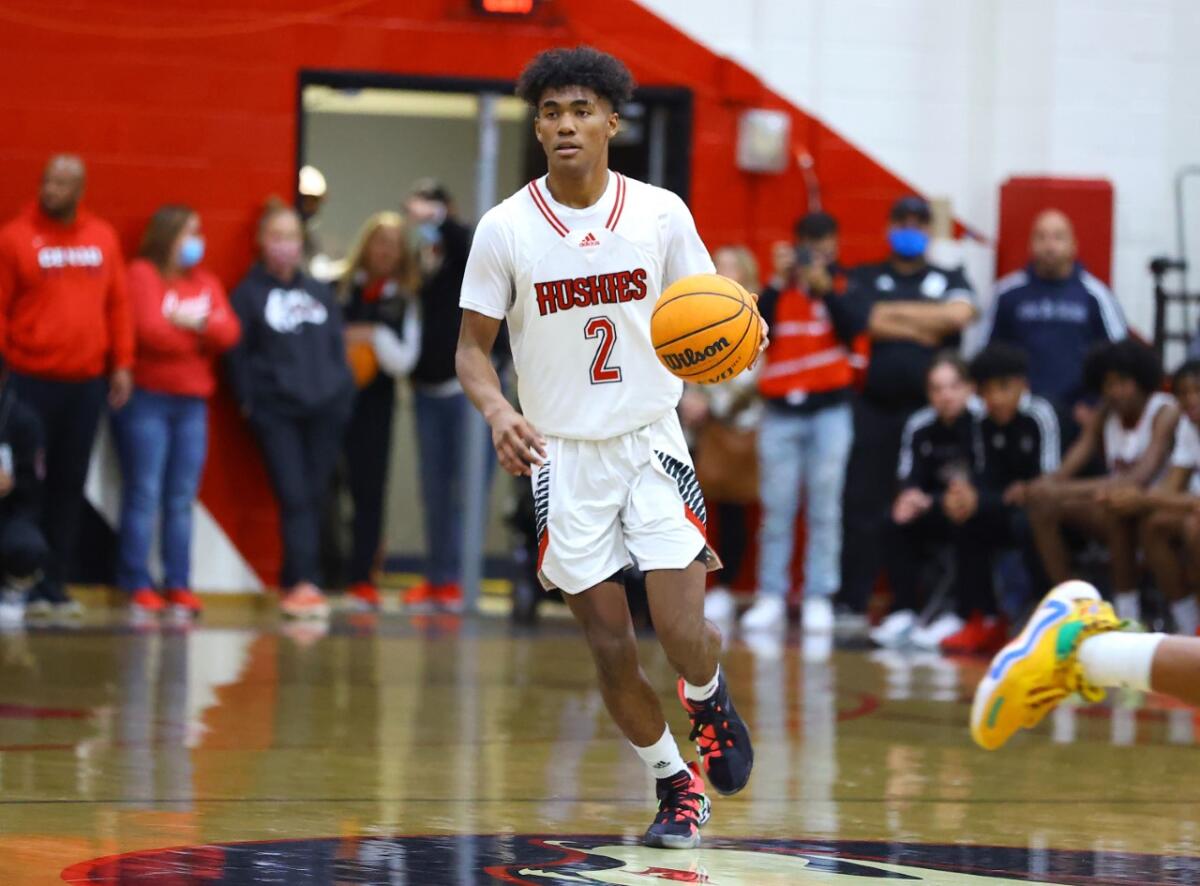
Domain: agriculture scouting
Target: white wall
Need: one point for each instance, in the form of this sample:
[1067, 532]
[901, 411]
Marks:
[957, 95]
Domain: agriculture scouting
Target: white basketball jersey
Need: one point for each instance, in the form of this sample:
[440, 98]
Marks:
[578, 287]
[1124, 446]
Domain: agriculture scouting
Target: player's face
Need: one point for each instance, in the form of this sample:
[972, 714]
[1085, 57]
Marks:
[574, 126]
[1002, 397]
[948, 392]
[1123, 395]
[1187, 392]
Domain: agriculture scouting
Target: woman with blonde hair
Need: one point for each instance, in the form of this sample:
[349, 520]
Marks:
[383, 342]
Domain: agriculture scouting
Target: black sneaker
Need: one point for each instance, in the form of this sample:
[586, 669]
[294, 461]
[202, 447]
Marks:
[683, 809]
[721, 738]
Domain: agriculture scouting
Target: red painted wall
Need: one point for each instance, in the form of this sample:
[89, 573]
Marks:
[197, 103]
[1087, 202]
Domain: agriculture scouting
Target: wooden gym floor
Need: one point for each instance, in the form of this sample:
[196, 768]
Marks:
[441, 750]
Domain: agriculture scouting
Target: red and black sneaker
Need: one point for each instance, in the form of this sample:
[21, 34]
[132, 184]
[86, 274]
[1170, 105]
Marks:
[721, 738]
[683, 809]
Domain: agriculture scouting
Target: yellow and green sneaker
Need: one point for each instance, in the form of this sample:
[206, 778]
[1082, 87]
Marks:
[1038, 669]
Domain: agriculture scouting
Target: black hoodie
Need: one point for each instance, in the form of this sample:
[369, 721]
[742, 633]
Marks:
[291, 358]
[22, 454]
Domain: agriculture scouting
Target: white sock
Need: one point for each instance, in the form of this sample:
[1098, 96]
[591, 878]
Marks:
[663, 756]
[702, 693]
[1187, 615]
[1118, 659]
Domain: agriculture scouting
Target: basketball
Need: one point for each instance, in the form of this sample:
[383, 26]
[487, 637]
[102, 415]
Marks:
[706, 329]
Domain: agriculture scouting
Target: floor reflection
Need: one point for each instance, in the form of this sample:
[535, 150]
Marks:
[287, 755]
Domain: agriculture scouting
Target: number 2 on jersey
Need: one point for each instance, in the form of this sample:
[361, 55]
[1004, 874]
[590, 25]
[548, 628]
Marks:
[603, 329]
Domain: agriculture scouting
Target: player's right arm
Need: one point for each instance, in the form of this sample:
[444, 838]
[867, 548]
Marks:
[487, 288]
[518, 445]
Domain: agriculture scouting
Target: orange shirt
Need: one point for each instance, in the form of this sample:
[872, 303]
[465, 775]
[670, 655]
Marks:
[64, 313]
[805, 356]
[171, 360]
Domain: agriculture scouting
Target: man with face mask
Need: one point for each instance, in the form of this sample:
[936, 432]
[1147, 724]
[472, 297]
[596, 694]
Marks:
[911, 310]
[66, 330]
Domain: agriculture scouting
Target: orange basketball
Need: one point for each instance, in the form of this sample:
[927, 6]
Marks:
[363, 364]
[706, 328]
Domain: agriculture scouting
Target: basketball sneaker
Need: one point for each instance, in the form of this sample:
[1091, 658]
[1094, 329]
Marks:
[982, 635]
[184, 602]
[1039, 668]
[683, 808]
[721, 738]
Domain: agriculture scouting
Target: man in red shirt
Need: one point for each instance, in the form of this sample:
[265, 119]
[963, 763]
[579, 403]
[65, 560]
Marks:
[67, 333]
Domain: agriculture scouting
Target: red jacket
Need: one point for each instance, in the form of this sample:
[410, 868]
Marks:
[172, 360]
[63, 307]
[805, 356]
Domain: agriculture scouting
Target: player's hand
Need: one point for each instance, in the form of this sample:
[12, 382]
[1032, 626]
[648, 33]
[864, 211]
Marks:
[1125, 500]
[1016, 494]
[765, 341]
[519, 447]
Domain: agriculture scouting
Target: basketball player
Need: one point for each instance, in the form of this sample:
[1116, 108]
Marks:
[575, 261]
[1075, 643]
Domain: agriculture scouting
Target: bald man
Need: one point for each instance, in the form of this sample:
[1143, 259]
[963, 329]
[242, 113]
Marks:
[1055, 311]
[66, 331]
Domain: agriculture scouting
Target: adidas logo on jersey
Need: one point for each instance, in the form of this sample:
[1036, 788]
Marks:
[589, 239]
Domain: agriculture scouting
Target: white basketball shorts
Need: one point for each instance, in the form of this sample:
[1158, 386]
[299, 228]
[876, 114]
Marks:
[603, 505]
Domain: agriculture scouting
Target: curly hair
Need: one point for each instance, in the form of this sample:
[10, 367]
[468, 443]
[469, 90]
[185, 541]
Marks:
[999, 361]
[1128, 358]
[583, 66]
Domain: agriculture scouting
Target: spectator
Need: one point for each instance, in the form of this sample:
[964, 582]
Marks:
[1170, 512]
[1056, 312]
[383, 336]
[941, 452]
[290, 377]
[23, 550]
[722, 418]
[1135, 430]
[441, 406]
[911, 310]
[67, 335]
[1018, 434]
[806, 430]
[313, 192]
[183, 322]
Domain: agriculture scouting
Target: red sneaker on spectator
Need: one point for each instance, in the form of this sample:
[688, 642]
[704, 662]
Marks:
[982, 635]
[422, 596]
[185, 600]
[364, 596]
[449, 597]
[146, 602]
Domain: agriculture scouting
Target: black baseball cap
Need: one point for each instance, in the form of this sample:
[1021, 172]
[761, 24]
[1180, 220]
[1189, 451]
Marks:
[910, 206]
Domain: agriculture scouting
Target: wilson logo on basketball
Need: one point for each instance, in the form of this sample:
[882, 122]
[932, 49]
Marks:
[687, 357]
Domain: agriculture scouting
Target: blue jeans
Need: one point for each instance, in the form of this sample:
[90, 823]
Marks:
[441, 435]
[162, 441]
[802, 455]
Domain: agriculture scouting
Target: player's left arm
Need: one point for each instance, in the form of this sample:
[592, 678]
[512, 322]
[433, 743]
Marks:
[684, 253]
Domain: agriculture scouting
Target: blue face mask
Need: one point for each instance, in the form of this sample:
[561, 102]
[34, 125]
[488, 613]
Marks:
[430, 232]
[191, 251]
[908, 242]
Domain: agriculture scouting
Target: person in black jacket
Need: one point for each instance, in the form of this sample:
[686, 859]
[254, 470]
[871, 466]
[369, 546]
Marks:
[441, 406]
[1019, 433]
[383, 339]
[291, 379]
[23, 549]
[910, 310]
[940, 449]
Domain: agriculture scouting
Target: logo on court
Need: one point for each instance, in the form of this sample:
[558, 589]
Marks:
[476, 860]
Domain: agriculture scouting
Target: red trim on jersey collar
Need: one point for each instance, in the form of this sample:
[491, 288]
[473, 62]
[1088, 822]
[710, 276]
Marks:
[547, 213]
[618, 204]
